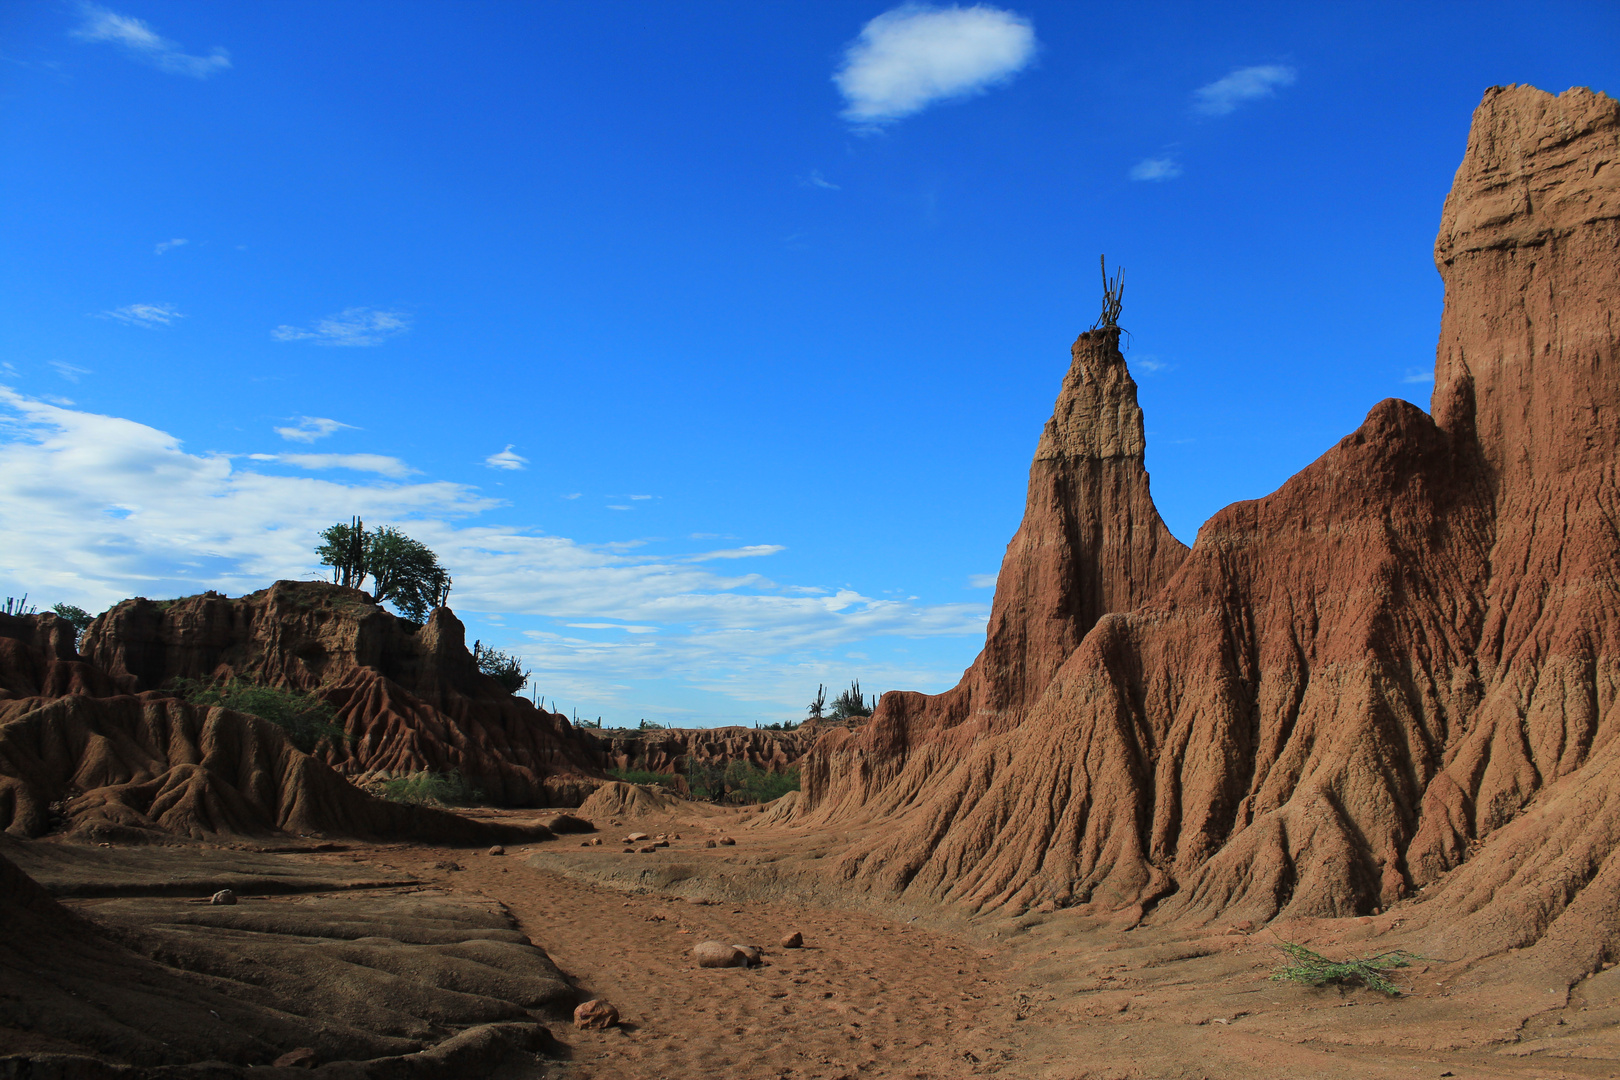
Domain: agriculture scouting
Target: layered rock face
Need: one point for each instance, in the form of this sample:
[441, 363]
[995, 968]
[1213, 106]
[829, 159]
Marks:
[408, 700]
[78, 754]
[1091, 542]
[677, 750]
[1400, 663]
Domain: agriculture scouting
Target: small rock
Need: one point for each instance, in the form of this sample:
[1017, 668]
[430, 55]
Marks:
[497, 850]
[596, 841]
[717, 954]
[635, 837]
[794, 940]
[302, 1058]
[629, 851]
[447, 864]
[677, 836]
[224, 896]
[754, 953]
[661, 843]
[584, 843]
[595, 1014]
[708, 843]
[726, 841]
[648, 850]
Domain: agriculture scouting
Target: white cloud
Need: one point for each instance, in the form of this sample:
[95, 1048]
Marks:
[148, 315]
[70, 372]
[167, 245]
[506, 459]
[1159, 168]
[749, 552]
[1244, 84]
[372, 463]
[575, 495]
[912, 56]
[1150, 364]
[117, 508]
[101, 24]
[626, 627]
[351, 326]
[311, 428]
[815, 179]
[1419, 375]
[639, 498]
[981, 581]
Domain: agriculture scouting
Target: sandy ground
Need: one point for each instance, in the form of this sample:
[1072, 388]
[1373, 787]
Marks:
[889, 991]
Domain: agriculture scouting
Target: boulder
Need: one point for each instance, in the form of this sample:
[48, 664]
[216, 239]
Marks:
[596, 1015]
[223, 897]
[794, 940]
[717, 954]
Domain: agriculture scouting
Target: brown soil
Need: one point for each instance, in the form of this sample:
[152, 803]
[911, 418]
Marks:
[890, 990]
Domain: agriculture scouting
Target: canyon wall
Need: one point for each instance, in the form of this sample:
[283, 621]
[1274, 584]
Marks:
[1395, 673]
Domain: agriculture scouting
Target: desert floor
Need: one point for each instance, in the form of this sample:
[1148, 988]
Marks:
[890, 990]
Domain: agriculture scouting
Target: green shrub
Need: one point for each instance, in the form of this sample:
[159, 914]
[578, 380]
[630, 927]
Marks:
[740, 782]
[80, 618]
[430, 789]
[304, 717]
[1314, 969]
[642, 776]
[504, 668]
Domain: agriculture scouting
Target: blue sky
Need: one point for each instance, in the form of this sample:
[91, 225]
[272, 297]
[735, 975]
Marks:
[708, 343]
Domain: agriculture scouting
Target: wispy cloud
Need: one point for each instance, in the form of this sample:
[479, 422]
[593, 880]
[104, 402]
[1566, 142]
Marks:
[914, 55]
[1150, 364]
[981, 581]
[351, 326]
[749, 552]
[380, 464]
[1156, 168]
[70, 372]
[310, 428]
[506, 459]
[1242, 85]
[1419, 375]
[169, 245]
[148, 315]
[816, 180]
[145, 44]
[116, 508]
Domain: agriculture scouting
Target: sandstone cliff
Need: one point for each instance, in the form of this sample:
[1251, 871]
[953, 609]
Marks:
[409, 700]
[1400, 663]
[76, 754]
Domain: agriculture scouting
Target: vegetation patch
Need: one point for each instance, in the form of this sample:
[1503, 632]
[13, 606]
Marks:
[740, 782]
[448, 788]
[1314, 969]
[304, 717]
[642, 776]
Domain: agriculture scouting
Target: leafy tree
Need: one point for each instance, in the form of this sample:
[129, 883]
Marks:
[80, 618]
[504, 668]
[404, 572]
[852, 703]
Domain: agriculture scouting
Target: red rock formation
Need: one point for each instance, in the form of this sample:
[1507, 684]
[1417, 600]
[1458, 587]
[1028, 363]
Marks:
[1348, 685]
[675, 750]
[409, 700]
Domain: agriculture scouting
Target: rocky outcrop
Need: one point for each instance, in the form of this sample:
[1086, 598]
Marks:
[675, 751]
[408, 699]
[1396, 671]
